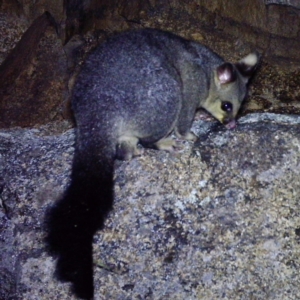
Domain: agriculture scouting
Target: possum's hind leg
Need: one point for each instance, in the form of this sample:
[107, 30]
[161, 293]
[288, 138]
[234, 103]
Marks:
[127, 148]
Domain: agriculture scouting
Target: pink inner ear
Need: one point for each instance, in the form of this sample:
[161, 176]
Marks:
[225, 76]
[226, 73]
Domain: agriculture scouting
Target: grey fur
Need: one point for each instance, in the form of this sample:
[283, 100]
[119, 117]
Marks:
[141, 85]
[138, 87]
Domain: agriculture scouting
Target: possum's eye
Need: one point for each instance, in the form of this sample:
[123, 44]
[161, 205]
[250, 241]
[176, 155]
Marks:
[226, 106]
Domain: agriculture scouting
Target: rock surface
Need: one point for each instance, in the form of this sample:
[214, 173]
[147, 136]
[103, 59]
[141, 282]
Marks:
[221, 219]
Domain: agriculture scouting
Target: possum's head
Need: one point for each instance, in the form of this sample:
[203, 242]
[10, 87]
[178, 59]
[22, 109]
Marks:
[228, 89]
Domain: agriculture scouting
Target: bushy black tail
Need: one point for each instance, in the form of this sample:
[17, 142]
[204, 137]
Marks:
[73, 221]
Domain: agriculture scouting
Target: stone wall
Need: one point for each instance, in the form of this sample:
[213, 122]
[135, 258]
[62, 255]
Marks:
[273, 26]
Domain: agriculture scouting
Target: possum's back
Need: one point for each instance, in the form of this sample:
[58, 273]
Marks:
[131, 70]
[125, 61]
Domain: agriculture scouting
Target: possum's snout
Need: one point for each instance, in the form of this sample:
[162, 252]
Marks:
[231, 124]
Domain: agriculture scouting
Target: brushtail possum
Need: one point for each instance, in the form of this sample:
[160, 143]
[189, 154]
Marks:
[136, 88]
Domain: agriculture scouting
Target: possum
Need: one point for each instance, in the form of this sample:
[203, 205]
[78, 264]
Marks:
[137, 88]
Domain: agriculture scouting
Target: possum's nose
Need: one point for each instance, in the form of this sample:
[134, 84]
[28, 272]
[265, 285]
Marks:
[230, 124]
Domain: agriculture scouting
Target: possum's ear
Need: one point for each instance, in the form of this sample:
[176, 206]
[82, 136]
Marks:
[225, 73]
[248, 64]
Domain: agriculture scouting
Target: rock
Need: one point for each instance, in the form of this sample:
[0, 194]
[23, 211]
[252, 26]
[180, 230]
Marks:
[292, 3]
[34, 86]
[221, 219]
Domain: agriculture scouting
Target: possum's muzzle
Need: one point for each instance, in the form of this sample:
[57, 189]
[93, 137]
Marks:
[229, 123]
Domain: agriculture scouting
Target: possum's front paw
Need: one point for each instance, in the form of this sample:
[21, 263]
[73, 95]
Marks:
[188, 136]
[168, 144]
